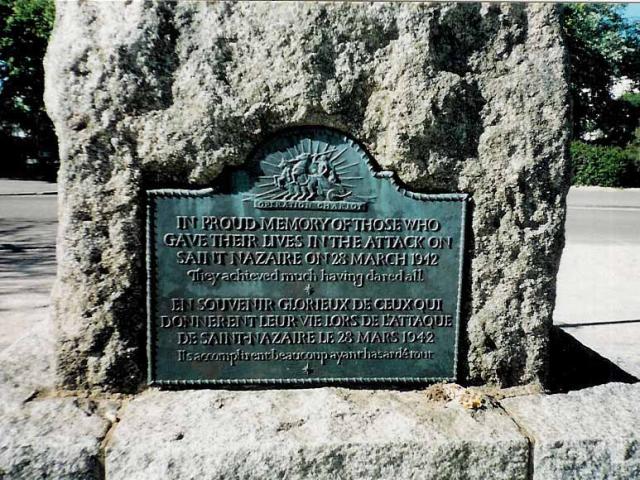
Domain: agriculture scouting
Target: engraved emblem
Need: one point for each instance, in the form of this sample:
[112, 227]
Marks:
[310, 174]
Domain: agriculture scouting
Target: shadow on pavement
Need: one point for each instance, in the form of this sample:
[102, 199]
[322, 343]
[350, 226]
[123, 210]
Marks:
[30, 233]
[27, 268]
[26, 272]
[591, 324]
[574, 366]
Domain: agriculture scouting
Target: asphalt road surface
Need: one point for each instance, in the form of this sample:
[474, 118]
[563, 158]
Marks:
[598, 293]
[598, 298]
[27, 257]
[599, 216]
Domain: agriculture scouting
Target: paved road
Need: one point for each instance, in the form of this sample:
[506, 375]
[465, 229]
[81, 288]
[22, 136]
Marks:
[598, 282]
[11, 187]
[27, 256]
[604, 216]
[599, 278]
[598, 299]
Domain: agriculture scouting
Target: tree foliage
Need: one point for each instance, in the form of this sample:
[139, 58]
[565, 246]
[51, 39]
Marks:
[604, 46]
[602, 43]
[27, 139]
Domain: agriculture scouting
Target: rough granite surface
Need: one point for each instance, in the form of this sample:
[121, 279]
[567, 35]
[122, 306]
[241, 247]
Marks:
[57, 438]
[27, 367]
[52, 438]
[460, 97]
[592, 433]
[323, 433]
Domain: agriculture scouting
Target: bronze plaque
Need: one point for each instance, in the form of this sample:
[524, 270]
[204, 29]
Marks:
[308, 266]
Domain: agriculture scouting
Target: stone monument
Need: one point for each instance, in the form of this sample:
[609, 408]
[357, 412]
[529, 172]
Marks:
[272, 195]
[461, 99]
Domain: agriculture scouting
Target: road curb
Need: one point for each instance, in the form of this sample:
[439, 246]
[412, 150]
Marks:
[24, 194]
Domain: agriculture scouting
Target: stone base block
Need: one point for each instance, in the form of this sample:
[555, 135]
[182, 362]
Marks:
[313, 434]
[45, 436]
[592, 433]
[26, 367]
[53, 438]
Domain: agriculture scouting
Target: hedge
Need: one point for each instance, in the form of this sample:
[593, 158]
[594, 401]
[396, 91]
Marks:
[605, 166]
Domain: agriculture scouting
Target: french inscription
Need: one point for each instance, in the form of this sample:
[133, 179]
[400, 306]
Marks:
[308, 266]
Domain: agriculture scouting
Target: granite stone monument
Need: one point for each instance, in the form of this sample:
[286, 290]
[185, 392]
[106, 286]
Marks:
[460, 101]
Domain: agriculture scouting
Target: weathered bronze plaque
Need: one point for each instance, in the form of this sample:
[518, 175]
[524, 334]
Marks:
[307, 267]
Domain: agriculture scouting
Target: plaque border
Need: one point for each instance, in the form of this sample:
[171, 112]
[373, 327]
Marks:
[150, 267]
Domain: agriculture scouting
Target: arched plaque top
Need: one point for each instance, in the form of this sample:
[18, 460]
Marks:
[317, 168]
[312, 169]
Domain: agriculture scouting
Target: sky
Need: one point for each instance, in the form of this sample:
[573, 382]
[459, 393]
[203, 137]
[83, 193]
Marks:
[632, 11]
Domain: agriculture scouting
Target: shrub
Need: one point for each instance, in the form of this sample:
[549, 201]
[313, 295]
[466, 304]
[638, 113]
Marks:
[632, 98]
[605, 166]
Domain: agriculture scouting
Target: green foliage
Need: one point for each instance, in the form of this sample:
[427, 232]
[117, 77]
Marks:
[27, 139]
[33, 17]
[633, 150]
[603, 46]
[631, 98]
[605, 166]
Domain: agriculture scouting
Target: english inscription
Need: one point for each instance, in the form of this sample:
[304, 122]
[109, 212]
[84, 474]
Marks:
[309, 266]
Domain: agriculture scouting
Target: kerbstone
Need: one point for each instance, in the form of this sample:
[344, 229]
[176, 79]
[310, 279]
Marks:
[453, 97]
[316, 434]
[27, 367]
[592, 433]
[42, 436]
[53, 438]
